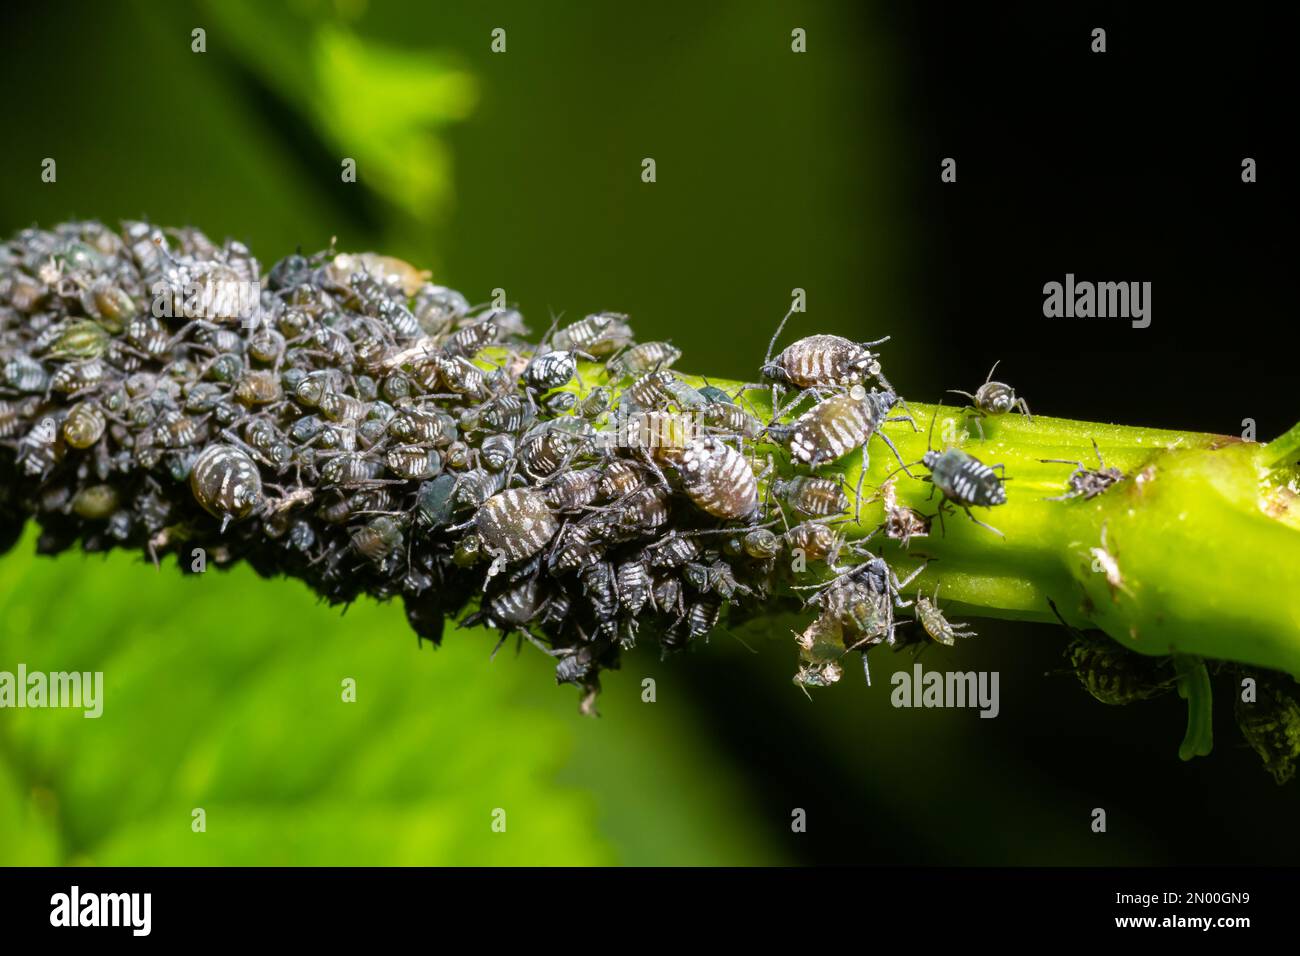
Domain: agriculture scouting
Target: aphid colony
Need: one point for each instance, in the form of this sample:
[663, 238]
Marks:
[368, 431]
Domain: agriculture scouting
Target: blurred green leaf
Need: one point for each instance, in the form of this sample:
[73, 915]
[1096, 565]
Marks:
[224, 691]
[377, 104]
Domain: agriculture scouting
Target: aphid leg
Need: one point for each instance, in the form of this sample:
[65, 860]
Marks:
[892, 447]
[1024, 408]
[981, 523]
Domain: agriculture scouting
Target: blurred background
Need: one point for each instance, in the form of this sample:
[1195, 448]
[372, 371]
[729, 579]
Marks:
[521, 170]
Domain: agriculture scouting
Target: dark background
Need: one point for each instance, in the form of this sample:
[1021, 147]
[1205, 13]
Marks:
[774, 171]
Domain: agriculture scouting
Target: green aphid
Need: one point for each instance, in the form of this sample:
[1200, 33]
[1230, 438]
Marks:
[79, 339]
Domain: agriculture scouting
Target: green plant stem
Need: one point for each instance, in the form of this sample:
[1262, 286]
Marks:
[1203, 529]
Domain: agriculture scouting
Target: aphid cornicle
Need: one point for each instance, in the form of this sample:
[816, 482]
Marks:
[515, 524]
[226, 482]
[718, 479]
[993, 398]
[822, 360]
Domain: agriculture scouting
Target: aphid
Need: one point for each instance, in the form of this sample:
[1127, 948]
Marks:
[718, 479]
[476, 486]
[597, 334]
[84, 425]
[470, 340]
[78, 376]
[95, 502]
[179, 431]
[13, 414]
[571, 490]
[561, 403]
[77, 339]
[594, 404]
[966, 482]
[347, 468]
[379, 538]
[993, 398]
[823, 674]
[108, 303]
[514, 606]
[642, 358]
[266, 345]
[577, 546]
[25, 374]
[548, 446]
[650, 390]
[1114, 675]
[393, 272]
[515, 524]
[761, 544]
[842, 423]
[414, 425]
[634, 585]
[668, 596]
[257, 388]
[901, 523]
[729, 418]
[551, 370]
[226, 482]
[436, 306]
[619, 478]
[702, 617]
[600, 589]
[696, 575]
[413, 461]
[509, 413]
[822, 640]
[643, 510]
[434, 502]
[813, 497]
[497, 451]
[1086, 483]
[671, 551]
[460, 375]
[341, 408]
[1104, 561]
[819, 361]
[40, 449]
[935, 624]
[815, 541]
